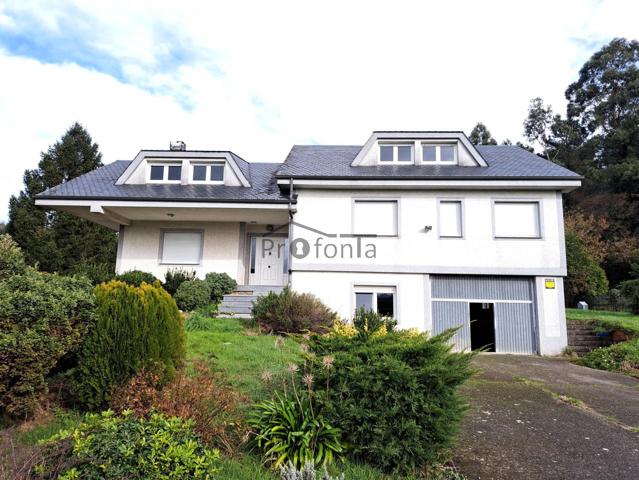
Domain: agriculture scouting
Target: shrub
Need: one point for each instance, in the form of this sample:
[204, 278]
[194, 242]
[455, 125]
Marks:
[11, 258]
[368, 322]
[117, 447]
[630, 289]
[621, 357]
[292, 312]
[287, 430]
[136, 278]
[202, 398]
[43, 318]
[175, 277]
[97, 273]
[394, 396]
[192, 295]
[308, 472]
[136, 327]
[585, 276]
[221, 284]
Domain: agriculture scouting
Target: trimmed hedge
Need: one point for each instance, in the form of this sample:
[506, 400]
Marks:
[221, 284]
[394, 396]
[192, 295]
[43, 318]
[136, 327]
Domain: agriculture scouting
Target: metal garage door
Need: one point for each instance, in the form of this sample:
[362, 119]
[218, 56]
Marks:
[514, 309]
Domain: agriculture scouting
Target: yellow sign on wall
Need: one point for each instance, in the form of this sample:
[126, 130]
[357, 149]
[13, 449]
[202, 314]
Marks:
[549, 283]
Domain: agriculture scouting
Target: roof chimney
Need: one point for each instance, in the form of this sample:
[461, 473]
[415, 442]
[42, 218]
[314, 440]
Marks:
[178, 146]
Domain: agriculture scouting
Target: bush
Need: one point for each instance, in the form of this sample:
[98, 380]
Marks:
[292, 312]
[97, 273]
[192, 295]
[287, 430]
[106, 446]
[630, 289]
[136, 327]
[221, 284]
[585, 277]
[43, 318]
[394, 396]
[175, 277]
[202, 398]
[11, 258]
[621, 357]
[368, 322]
[136, 278]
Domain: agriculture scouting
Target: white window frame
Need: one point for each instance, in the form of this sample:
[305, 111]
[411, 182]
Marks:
[375, 289]
[207, 179]
[395, 160]
[171, 230]
[462, 218]
[165, 173]
[540, 216]
[438, 155]
[376, 200]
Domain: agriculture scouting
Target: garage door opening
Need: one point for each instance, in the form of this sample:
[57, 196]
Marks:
[482, 326]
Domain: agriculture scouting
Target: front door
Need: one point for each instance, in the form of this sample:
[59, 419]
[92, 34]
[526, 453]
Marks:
[269, 261]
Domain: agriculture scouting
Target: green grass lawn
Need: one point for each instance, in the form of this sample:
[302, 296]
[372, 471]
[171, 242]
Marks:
[605, 319]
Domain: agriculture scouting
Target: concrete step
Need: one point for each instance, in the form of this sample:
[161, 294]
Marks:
[229, 309]
[581, 336]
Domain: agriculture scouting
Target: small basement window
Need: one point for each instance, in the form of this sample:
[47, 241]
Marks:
[207, 173]
[396, 153]
[165, 172]
[442, 154]
[181, 247]
[376, 299]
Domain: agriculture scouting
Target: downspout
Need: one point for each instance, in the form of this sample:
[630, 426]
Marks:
[291, 213]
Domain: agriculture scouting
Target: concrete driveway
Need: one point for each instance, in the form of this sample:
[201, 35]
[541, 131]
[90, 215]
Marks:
[544, 418]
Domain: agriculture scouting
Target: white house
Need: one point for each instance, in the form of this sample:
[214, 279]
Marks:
[423, 226]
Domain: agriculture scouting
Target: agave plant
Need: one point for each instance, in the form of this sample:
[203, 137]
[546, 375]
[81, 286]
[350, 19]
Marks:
[286, 430]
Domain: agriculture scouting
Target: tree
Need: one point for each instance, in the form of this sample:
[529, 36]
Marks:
[585, 277]
[58, 241]
[480, 135]
[537, 126]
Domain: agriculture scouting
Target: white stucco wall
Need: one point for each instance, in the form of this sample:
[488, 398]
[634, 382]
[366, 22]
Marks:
[418, 251]
[140, 248]
[551, 316]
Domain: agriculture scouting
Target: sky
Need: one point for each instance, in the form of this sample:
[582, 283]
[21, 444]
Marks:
[257, 77]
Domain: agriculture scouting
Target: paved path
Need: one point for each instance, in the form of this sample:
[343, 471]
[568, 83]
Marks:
[544, 418]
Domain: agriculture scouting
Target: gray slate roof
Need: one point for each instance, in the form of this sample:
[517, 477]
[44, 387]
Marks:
[303, 161]
[334, 161]
[100, 184]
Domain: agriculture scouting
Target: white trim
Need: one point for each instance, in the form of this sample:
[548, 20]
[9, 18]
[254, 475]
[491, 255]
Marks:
[462, 218]
[374, 288]
[165, 171]
[478, 300]
[207, 173]
[395, 146]
[408, 184]
[430, 269]
[46, 202]
[438, 153]
[540, 216]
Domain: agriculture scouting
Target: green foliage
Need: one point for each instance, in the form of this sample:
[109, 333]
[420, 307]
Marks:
[368, 322]
[480, 135]
[175, 277]
[43, 318]
[585, 276]
[97, 273]
[607, 320]
[11, 258]
[292, 312]
[57, 241]
[221, 284]
[394, 396]
[106, 446]
[192, 295]
[630, 289]
[307, 472]
[621, 357]
[287, 430]
[136, 327]
[136, 278]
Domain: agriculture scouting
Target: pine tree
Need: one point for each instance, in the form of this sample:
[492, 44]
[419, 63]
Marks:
[480, 135]
[58, 241]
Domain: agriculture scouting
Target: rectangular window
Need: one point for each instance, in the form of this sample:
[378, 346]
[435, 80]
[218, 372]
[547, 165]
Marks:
[208, 173]
[429, 153]
[446, 154]
[376, 299]
[165, 173]
[181, 247]
[375, 217]
[450, 218]
[516, 219]
[396, 153]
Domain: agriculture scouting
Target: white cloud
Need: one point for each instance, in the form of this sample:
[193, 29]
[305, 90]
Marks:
[256, 77]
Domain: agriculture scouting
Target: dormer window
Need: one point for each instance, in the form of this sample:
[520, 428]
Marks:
[165, 173]
[439, 154]
[207, 173]
[389, 153]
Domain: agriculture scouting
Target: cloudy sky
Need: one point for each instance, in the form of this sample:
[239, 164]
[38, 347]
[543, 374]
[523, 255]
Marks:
[257, 77]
